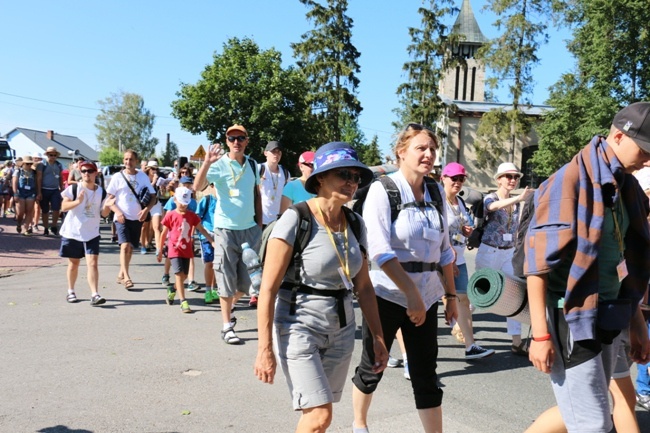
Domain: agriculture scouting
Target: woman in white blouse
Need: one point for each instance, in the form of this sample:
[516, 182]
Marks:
[409, 253]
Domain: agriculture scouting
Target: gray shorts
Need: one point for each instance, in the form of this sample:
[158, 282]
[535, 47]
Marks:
[315, 362]
[230, 270]
[582, 391]
[623, 360]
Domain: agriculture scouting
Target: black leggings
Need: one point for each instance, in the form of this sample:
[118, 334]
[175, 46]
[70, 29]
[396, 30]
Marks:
[421, 350]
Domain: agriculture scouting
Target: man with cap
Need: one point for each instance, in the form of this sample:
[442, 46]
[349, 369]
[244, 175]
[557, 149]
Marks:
[587, 266]
[49, 184]
[295, 192]
[237, 220]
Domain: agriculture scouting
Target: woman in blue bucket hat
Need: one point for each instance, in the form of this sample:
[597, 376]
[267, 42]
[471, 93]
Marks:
[305, 315]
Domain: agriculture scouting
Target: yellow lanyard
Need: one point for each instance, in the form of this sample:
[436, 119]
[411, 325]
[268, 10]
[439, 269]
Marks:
[345, 264]
[232, 172]
[617, 229]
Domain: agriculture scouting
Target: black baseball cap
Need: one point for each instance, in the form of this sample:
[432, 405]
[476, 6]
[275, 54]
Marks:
[271, 145]
[634, 121]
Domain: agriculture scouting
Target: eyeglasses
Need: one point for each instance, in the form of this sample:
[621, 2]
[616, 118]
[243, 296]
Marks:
[511, 176]
[348, 176]
[459, 178]
[88, 171]
[308, 164]
[240, 138]
[51, 154]
[27, 163]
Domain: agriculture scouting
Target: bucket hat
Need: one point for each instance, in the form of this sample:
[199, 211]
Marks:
[336, 155]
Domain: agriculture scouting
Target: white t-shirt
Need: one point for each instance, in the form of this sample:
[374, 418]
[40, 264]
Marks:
[271, 187]
[82, 222]
[125, 200]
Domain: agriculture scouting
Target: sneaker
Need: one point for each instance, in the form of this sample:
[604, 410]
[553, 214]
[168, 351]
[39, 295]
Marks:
[407, 376]
[97, 300]
[28, 232]
[19, 228]
[55, 231]
[229, 336]
[208, 297]
[185, 307]
[215, 296]
[72, 298]
[394, 362]
[253, 302]
[46, 232]
[475, 352]
[165, 280]
[143, 250]
[171, 294]
[193, 286]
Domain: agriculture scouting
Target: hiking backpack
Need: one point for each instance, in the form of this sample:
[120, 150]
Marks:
[287, 175]
[395, 197]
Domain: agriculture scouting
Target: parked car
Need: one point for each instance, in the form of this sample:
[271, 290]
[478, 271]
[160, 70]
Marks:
[108, 171]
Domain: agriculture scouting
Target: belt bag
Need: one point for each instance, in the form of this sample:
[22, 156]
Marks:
[417, 267]
[338, 294]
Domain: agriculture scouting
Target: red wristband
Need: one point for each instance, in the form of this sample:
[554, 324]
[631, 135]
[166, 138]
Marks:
[542, 338]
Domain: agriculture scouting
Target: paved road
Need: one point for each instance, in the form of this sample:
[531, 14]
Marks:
[137, 365]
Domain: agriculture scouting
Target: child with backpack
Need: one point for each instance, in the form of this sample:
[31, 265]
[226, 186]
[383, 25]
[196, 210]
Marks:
[205, 211]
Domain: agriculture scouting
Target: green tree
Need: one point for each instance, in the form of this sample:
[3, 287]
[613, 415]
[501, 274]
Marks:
[328, 59]
[110, 156]
[125, 123]
[371, 153]
[169, 155]
[612, 51]
[247, 85]
[418, 96]
[511, 57]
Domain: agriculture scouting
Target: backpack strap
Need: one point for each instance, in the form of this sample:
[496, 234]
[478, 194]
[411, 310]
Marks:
[75, 187]
[287, 175]
[299, 244]
[262, 170]
[355, 224]
[394, 196]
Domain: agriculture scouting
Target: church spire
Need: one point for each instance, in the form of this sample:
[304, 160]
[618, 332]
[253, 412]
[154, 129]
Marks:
[467, 26]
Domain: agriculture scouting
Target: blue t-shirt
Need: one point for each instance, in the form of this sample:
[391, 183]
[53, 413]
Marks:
[296, 192]
[205, 211]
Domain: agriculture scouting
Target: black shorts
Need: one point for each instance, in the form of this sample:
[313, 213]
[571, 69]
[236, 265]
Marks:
[128, 232]
[74, 249]
[180, 265]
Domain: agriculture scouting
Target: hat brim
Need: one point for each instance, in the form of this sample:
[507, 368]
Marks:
[366, 174]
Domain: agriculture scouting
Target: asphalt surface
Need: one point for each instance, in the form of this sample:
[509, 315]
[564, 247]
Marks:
[138, 365]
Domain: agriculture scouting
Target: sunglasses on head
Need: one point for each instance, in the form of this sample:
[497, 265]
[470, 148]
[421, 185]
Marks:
[308, 164]
[458, 178]
[240, 138]
[416, 127]
[348, 176]
[88, 171]
[511, 176]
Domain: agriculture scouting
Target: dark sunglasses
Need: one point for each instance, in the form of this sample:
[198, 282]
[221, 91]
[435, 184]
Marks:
[459, 178]
[239, 138]
[348, 176]
[511, 176]
[308, 164]
[88, 171]
[416, 127]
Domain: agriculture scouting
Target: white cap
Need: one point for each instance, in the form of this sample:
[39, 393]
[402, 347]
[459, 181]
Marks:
[183, 195]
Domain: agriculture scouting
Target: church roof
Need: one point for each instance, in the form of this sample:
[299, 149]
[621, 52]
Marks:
[467, 26]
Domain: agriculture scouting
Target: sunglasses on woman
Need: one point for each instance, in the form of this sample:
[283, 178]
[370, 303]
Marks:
[308, 164]
[511, 176]
[348, 176]
[458, 178]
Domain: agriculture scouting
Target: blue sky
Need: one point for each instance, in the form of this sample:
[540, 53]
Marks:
[77, 52]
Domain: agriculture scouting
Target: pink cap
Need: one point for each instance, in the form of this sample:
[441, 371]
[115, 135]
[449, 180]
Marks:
[306, 157]
[454, 169]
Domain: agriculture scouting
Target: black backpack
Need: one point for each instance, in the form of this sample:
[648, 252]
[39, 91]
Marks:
[74, 192]
[395, 198]
[519, 255]
[287, 175]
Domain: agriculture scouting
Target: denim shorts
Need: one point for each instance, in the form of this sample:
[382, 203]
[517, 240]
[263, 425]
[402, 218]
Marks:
[51, 197]
[461, 280]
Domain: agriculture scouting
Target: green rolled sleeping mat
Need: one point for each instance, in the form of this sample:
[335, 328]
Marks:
[498, 293]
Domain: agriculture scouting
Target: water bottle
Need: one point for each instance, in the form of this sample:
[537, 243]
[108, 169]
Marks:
[252, 262]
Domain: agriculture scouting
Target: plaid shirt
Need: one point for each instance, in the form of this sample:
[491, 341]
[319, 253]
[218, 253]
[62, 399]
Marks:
[569, 213]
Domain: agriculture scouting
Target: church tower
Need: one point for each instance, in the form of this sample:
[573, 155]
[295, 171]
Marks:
[466, 82]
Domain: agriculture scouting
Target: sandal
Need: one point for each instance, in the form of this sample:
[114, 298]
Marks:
[72, 298]
[520, 350]
[229, 336]
[120, 280]
[128, 284]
